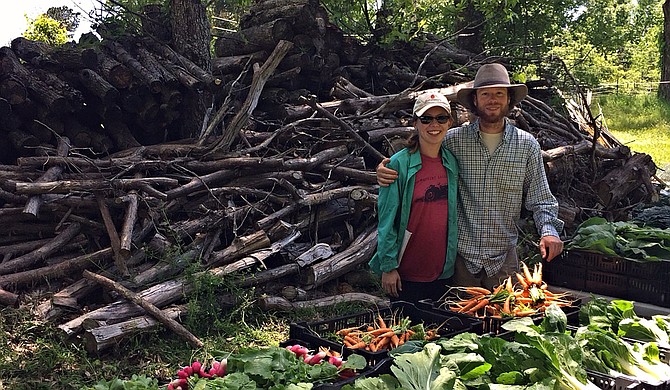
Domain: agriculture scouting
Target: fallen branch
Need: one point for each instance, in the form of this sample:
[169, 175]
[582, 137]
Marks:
[153, 310]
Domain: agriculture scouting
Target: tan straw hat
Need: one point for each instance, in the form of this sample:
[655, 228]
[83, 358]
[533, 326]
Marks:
[430, 99]
[490, 76]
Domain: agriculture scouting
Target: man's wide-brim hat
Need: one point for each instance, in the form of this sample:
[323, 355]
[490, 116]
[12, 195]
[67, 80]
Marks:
[491, 76]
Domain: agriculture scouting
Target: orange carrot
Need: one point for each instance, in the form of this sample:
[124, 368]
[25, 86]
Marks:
[395, 340]
[380, 321]
[526, 273]
[482, 302]
[506, 308]
[390, 333]
[476, 291]
[468, 305]
[383, 342]
[380, 331]
[522, 280]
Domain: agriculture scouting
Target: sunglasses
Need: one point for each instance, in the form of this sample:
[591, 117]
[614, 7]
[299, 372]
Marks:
[427, 119]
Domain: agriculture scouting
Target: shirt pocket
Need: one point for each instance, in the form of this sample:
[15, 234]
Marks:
[510, 178]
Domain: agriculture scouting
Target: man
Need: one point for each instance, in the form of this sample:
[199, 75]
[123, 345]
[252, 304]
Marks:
[501, 171]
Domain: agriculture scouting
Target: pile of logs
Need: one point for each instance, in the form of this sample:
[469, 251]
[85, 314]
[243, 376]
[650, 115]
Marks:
[97, 189]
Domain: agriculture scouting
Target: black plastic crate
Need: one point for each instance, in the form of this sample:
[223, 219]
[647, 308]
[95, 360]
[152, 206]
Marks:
[606, 283]
[573, 258]
[493, 325]
[318, 332]
[607, 382]
[603, 263]
[558, 274]
[655, 292]
[380, 367]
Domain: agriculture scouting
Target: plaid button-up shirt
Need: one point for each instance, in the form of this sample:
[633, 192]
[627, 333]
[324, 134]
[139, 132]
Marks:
[493, 188]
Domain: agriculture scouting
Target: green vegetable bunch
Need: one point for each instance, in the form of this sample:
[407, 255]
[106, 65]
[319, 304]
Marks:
[622, 239]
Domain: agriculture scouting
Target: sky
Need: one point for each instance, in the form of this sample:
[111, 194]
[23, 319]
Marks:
[13, 22]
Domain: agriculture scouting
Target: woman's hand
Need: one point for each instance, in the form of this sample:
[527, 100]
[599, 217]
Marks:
[385, 176]
[391, 283]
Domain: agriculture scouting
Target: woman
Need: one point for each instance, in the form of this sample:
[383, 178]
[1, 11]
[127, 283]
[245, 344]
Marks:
[416, 244]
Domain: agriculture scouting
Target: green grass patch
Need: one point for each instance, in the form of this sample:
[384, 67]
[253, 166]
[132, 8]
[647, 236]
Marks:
[642, 122]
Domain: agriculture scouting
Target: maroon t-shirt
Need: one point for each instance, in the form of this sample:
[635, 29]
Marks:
[423, 259]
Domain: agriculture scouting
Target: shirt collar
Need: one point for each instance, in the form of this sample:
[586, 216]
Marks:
[507, 131]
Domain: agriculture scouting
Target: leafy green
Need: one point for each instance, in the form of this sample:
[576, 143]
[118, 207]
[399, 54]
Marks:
[622, 239]
[423, 370]
[619, 316]
[617, 354]
[558, 352]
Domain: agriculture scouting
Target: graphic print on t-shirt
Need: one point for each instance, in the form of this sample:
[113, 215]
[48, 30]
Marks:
[435, 192]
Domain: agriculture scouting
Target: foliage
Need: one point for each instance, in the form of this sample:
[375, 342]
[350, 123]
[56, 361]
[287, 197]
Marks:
[46, 29]
[123, 17]
[623, 239]
[67, 17]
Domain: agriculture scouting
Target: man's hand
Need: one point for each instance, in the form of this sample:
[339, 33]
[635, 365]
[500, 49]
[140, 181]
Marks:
[550, 247]
[385, 176]
[391, 283]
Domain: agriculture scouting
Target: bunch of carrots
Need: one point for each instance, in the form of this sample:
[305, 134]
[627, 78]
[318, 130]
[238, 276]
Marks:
[526, 296]
[382, 335]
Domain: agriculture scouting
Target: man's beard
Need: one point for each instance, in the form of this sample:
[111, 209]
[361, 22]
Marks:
[491, 118]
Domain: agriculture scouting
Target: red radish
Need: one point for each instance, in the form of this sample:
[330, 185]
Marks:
[223, 366]
[203, 373]
[170, 386]
[212, 372]
[335, 361]
[196, 366]
[308, 358]
[182, 374]
[316, 359]
[301, 351]
[188, 370]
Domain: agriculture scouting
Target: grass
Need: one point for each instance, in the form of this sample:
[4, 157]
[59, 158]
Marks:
[642, 122]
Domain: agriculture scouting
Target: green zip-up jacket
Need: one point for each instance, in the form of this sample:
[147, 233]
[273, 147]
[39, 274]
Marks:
[393, 209]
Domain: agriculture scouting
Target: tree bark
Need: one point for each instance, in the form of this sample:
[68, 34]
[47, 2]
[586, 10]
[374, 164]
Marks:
[664, 87]
[191, 34]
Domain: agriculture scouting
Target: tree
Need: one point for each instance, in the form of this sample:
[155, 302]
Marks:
[470, 25]
[191, 35]
[66, 16]
[46, 29]
[664, 88]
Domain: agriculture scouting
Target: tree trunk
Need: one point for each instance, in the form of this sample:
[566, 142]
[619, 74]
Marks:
[191, 34]
[470, 28]
[664, 87]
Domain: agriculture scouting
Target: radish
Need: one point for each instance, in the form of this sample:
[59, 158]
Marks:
[188, 370]
[308, 358]
[316, 359]
[301, 351]
[335, 361]
[223, 366]
[182, 374]
[196, 366]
